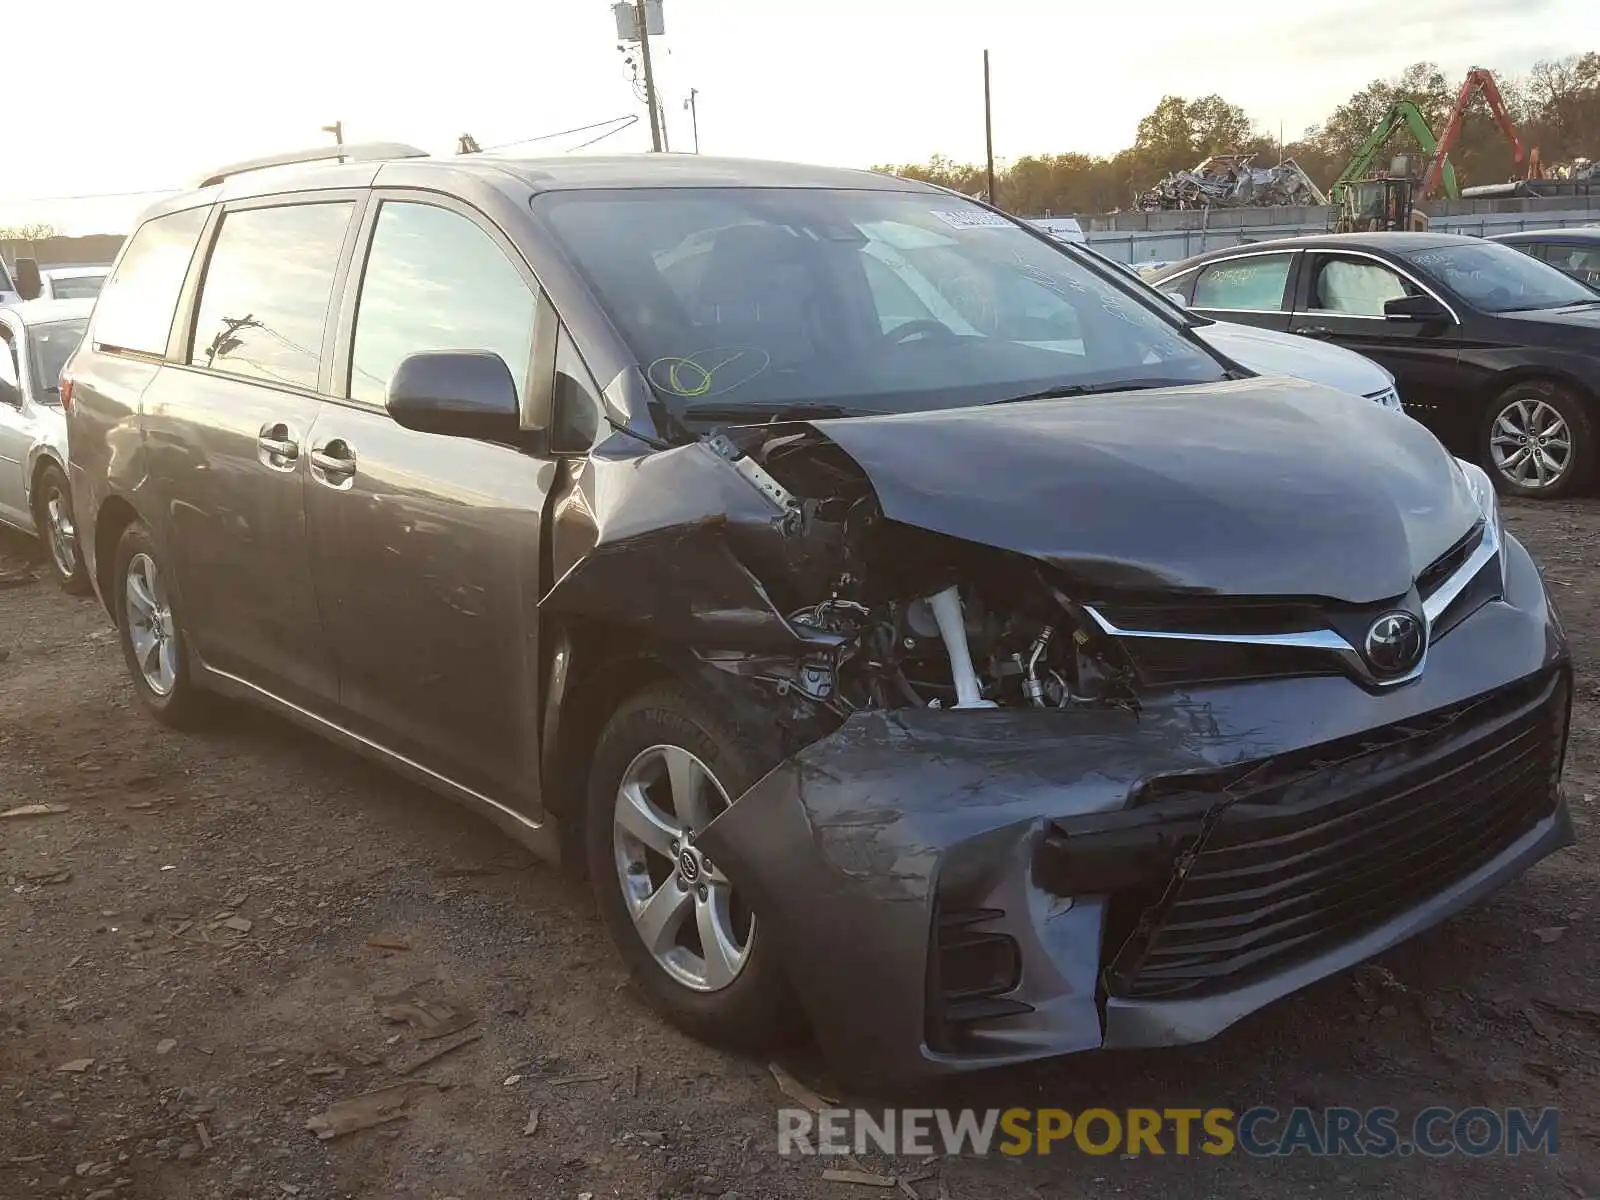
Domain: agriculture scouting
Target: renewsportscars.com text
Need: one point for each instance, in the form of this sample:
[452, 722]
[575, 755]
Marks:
[1259, 1132]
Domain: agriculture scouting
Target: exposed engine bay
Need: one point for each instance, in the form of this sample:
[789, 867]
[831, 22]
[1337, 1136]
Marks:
[908, 617]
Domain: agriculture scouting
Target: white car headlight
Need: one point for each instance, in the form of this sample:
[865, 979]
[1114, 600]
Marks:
[1389, 397]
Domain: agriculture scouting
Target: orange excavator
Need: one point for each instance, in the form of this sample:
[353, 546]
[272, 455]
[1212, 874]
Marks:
[1478, 80]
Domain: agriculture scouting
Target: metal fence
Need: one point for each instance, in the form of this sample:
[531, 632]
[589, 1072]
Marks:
[1141, 247]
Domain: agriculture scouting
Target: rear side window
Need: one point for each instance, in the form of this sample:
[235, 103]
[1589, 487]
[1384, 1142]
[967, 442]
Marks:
[264, 301]
[1244, 283]
[436, 281]
[136, 306]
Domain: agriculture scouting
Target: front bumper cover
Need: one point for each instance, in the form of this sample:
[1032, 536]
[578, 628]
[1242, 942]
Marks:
[863, 848]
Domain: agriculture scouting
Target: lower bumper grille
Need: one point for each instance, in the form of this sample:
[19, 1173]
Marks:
[1299, 865]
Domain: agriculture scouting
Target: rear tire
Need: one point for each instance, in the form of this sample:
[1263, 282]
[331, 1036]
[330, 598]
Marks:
[1537, 440]
[53, 521]
[679, 762]
[153, 642]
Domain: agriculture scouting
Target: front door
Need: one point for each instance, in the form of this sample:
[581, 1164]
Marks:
[16, 431]
[1252, 289]
[1341, 300]
[426, 548]
[228, 440]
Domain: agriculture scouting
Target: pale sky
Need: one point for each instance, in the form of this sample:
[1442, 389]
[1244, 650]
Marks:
[120, 97]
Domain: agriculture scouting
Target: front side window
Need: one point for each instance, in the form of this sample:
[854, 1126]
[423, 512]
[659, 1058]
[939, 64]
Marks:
[136, 306]
[1581, 261]
[761, 299]
[1357, 287]
[264, 300]
[435, 280]
[1255, 283]
[49, 347]
[76, 287]
[1496, 279]
[10, 376]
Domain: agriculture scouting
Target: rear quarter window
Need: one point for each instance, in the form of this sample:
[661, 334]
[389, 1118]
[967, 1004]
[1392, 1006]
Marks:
[137, 304]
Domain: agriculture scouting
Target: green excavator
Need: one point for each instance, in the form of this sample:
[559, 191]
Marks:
[1364, 202]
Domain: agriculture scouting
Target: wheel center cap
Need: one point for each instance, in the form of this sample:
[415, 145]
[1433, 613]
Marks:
[689, 864]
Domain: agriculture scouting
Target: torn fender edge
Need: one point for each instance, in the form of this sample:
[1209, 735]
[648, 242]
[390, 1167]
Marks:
[644, 541]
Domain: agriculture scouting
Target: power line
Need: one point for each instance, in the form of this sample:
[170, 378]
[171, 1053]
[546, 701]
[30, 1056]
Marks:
[629, 123]
[620, 122]
[545, 137]
[161, 191]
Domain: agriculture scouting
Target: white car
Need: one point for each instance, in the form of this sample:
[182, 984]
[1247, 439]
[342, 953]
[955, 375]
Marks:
[39, 337]
[72, 283]
[1268, 352]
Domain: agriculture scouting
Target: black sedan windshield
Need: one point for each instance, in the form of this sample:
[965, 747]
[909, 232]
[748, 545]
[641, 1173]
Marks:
[50, 345]
[755, 300]
[1497, 279]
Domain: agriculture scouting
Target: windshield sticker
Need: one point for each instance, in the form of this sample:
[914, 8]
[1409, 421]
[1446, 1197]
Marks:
[971, 218]
[707, 372]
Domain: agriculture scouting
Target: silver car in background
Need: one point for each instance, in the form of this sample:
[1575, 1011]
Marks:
[39, 336]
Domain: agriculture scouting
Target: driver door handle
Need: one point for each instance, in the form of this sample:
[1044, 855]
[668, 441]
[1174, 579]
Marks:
[1315, 331]
[333, 463]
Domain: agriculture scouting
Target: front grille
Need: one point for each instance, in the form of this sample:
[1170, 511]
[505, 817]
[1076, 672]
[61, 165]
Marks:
[1313, 858]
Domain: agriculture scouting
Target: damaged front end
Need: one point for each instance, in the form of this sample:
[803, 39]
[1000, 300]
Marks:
[1076, 741]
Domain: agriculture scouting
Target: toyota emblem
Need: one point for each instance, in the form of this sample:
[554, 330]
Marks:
[689, 864]
[1395, 643]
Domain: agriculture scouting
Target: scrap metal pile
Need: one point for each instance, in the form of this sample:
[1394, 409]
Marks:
[1229, 180]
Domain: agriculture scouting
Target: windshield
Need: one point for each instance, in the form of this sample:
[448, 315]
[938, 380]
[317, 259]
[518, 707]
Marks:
[49, 347]
[76, 287]
[744, 302]
[1497, 279]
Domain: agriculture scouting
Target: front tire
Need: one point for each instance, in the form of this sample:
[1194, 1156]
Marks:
[1537, 441]
[52, 519]
[152, 637]
[664, 767]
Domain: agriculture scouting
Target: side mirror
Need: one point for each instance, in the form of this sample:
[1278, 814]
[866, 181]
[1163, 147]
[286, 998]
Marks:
[458, 393]
[9, 395]
[1177, 298]
[29, 285]
[1415, 308]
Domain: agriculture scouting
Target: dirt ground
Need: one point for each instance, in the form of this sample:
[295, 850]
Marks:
[198, 956]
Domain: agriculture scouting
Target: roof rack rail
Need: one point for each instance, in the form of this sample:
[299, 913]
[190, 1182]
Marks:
[353, 152]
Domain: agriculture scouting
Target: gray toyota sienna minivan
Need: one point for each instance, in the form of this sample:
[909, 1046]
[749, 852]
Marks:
[925, 637]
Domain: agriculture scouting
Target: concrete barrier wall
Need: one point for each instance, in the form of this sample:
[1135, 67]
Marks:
[63, 251]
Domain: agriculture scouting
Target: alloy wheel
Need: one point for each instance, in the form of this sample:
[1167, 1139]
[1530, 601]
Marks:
[1531, 443]
[683, 907]
[151, 629]
[60, 533]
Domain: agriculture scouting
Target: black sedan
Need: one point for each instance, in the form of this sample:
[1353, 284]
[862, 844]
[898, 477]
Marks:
[1574, 252]
[1497, 352]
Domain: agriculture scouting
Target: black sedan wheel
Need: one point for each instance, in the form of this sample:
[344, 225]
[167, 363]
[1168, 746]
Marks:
[665, 767]
[1538, 441]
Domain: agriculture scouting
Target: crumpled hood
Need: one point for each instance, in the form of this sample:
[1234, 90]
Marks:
[1259, 487]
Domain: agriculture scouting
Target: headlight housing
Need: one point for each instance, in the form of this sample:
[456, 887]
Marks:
[1488, 500]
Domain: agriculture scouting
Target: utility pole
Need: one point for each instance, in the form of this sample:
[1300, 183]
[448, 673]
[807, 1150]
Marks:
[643, 29]
[988, 127]
[694, 116]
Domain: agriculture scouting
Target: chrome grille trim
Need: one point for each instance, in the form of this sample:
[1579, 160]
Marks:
[1434, 606]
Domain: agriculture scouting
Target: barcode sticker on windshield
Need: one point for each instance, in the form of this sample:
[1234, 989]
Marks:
[970, 218]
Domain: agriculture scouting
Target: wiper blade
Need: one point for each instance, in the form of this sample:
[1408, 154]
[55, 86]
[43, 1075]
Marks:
[751, 414]
[1087, 389]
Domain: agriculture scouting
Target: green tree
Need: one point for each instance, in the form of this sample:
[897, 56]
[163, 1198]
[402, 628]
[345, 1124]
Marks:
[35, 232]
